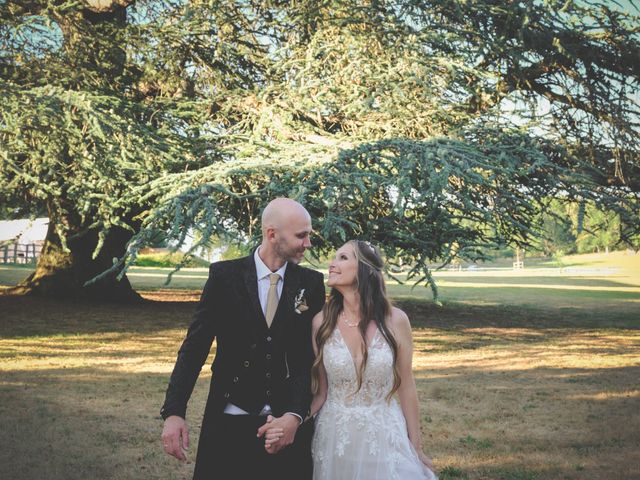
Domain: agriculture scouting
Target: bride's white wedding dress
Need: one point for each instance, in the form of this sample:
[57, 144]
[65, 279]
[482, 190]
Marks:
[361, 436]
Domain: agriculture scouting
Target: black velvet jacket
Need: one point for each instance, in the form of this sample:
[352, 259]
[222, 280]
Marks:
[254, 365]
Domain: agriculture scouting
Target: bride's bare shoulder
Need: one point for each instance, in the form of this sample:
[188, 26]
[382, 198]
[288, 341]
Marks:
[317, 321]
[398, 320]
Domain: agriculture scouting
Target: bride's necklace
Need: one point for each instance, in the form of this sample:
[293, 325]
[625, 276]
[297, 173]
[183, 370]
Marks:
[347, 322]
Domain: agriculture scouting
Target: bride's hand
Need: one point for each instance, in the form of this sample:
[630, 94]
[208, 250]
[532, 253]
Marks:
[283, 431]
[426, 460]
[272, 436]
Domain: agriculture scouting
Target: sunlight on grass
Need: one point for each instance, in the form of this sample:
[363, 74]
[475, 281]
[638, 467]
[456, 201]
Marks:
[607, 395]
[445, 284]
[163, 275]
[108, 352]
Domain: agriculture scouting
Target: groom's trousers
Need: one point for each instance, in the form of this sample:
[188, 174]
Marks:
[234, 452]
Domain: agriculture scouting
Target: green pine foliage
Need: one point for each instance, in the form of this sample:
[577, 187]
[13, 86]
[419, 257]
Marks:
[437, 129]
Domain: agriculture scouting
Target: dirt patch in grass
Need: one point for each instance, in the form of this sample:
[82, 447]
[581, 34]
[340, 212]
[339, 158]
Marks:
[506, 393]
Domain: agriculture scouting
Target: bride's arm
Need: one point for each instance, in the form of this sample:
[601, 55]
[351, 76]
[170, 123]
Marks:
[407, 392]
[321, 395]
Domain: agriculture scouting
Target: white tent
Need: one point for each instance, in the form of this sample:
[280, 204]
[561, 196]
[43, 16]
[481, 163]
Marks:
[25, 231]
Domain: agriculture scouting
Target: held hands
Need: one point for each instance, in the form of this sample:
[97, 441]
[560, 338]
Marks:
[278, 432]
[175, 437]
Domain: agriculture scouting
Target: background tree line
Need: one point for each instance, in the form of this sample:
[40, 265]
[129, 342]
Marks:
[576, 227]
[565, 228]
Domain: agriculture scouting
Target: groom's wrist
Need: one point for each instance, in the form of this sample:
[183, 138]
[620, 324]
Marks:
[298, 417]
[170, 412]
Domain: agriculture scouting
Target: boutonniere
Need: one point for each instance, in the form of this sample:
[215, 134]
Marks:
[300, 303]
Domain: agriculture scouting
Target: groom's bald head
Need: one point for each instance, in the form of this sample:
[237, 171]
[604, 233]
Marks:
[286, 226]
[279, 212]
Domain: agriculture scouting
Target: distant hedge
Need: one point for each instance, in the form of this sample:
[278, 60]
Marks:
[168, 260]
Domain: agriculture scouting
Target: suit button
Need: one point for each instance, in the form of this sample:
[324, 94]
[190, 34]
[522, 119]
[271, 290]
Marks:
[268, 375]
[269, 339]
[246, 363]
[268, 356]
[268, 393]
[226, 395]
[235, 379]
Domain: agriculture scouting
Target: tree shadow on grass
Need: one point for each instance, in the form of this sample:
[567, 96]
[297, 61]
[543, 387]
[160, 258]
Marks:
[25, 316]
[79, 423]
[35, 316]
[541, 423]
[456, 315]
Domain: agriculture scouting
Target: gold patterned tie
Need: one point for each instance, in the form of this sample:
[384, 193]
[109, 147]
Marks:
[272, 297]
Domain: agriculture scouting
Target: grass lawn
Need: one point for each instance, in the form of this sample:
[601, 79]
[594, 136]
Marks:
[522, 375]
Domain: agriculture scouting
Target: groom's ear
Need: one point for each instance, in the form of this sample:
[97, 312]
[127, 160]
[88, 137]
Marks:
[270, 233]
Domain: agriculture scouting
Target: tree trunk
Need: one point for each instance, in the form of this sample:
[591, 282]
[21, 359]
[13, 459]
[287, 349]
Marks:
[63, 274]
[92, 45]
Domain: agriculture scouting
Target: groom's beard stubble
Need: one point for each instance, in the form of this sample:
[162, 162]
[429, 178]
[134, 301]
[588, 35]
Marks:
[290, 254]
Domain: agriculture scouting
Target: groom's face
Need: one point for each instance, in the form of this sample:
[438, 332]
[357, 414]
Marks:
[292, 238]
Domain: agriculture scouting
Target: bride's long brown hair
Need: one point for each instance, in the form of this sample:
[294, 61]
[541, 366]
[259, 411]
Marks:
[374, 307]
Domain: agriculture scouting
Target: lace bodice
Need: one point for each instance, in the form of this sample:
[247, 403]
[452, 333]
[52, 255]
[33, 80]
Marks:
[341, 372]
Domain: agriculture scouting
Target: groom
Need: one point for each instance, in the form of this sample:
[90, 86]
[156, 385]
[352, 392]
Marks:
[259, 310]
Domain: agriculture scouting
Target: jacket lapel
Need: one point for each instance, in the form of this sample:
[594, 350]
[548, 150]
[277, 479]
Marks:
[289, 291]
[251, 283]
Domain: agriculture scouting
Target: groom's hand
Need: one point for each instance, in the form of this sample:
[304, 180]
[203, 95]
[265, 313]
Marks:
[287, 423]
[175, 437]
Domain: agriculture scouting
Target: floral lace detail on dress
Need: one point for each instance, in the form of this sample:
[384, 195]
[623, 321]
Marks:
[354, 408]
[360, 435]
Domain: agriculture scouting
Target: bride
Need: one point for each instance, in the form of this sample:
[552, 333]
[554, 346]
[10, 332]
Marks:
[363, 349]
